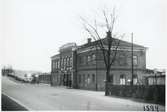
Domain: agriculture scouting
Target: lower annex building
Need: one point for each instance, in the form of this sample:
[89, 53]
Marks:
[83, 66]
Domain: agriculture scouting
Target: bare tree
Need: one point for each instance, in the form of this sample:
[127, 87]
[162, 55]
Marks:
[109, 47]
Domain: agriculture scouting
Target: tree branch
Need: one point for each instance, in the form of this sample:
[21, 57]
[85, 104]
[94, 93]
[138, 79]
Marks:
[115, 51]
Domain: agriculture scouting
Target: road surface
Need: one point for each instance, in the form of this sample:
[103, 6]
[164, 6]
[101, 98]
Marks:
[10, 105]
[43, 97]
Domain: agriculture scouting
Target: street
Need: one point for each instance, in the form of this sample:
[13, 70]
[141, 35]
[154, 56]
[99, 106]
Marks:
[44, 97]
[10, 105]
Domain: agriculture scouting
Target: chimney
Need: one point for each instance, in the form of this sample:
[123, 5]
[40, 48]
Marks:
[89, 40]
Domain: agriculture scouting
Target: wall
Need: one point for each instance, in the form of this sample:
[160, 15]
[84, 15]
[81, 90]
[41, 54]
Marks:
[44, 79]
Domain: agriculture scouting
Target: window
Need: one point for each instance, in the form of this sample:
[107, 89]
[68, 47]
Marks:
[83, 80]
[53, 64]
[93, 57]
[58, 64]
[110, 78]
[135, 62]
[62, 62]
[70, 61]
[122, 79]
[79, 78]
[93, 77]
[88, 58]
[122, 60]
[81, 59]
[88, 79]
[135, 79]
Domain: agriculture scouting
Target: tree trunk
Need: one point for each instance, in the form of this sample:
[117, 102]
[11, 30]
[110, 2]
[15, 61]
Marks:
[106, 81]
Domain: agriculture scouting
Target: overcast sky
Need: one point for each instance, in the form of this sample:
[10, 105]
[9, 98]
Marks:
[33, 30]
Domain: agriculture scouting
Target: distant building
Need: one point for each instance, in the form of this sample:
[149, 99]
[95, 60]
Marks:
[155, 77]
[7, 71]
[83, 66]
[44, 78]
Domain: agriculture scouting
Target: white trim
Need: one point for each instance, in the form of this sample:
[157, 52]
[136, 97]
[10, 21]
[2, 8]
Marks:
[113, 48]
[56, 57]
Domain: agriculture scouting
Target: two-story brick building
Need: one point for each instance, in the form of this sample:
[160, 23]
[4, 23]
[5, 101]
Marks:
[83, 66]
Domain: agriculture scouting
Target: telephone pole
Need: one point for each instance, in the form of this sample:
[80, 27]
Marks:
[132, 58]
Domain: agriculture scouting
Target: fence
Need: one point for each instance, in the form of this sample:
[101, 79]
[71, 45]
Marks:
[153, 93]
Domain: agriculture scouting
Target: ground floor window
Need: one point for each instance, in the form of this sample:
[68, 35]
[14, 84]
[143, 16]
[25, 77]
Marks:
[135, 79]
[110, 78]
[122, 79]
[93, 78]
[79, 78]
[88, 79]
[83, 79]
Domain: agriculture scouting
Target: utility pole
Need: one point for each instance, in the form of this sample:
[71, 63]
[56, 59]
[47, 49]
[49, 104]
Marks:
[132, 58]
[96, 65]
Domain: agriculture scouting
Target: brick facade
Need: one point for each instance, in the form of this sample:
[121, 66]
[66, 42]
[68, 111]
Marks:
[86, 70]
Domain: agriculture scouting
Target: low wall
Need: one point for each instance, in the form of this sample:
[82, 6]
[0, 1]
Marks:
[153, 93]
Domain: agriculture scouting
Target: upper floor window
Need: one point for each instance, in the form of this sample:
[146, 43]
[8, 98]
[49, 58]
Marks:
[93, 57]
[53, 64]
[70, 61]
[64, 61]
[58, 64]
[135, 61]
[81, 59]
[122, 60]
[88, 58]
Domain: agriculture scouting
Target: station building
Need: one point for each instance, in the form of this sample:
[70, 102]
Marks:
[83, 66]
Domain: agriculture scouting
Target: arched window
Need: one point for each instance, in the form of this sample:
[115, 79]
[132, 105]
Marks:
[122, 79]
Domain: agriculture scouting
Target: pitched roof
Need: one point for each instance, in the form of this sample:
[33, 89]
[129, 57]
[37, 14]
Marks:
[122, 43]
